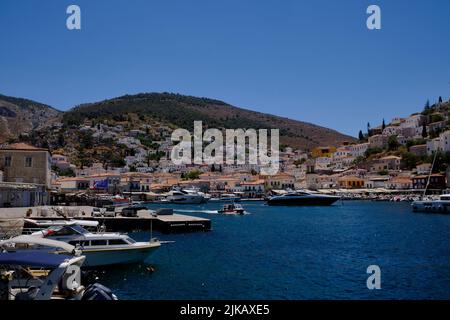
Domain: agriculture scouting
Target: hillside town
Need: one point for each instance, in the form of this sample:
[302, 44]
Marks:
[394, 158]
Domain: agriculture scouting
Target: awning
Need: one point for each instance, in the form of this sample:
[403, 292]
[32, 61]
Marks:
[33, 259]
[39, 241]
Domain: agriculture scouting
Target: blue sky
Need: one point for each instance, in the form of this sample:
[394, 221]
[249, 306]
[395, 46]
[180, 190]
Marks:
[313, 61]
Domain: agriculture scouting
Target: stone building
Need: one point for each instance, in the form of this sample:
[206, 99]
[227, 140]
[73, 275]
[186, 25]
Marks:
[26, 175]
[23, 163]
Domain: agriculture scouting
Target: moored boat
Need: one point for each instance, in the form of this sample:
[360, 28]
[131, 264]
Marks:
[101, 248]
[186, 197]
[302, 198]
[227, 197]
[441, 205]
[42, 275]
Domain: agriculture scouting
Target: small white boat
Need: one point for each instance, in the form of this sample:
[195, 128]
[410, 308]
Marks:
[232, 208]
[100, 248]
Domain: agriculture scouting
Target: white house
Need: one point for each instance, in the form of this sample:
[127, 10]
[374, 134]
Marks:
[413, 121]
[423, 168]
[439, 144]
[358, 150]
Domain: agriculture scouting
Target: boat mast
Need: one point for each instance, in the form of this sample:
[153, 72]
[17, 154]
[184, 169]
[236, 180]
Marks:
[429, 175]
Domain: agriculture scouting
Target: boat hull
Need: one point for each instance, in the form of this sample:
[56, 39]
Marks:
[231, 212]
[431, 206]
[188, 200]
[106, 257]
[226, 200]
[302, 201]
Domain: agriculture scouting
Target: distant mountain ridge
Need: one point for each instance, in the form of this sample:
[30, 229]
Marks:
[181, 111]
[18, 116]
[22, 116]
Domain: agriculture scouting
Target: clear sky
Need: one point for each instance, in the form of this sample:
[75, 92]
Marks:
[314, 61]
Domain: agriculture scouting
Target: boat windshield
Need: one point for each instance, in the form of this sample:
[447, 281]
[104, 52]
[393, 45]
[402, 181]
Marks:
[294, 194]
[130, 240]
[79, 229]
[67, 230]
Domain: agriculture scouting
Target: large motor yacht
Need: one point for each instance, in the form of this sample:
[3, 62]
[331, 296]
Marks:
[302, 198]
[188, 196]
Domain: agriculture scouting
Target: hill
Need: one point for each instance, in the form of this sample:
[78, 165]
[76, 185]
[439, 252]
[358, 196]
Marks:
[175, 110]
[22, 116]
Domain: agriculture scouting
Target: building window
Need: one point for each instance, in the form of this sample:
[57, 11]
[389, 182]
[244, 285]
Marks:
[28, 162]
[7, 161]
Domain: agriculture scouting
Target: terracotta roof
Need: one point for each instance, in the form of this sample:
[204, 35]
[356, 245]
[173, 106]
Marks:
[257, 182]
[350, 178]
[426, 176]
[22, 146]
[390, 158]
[72, 179]
[401, 179]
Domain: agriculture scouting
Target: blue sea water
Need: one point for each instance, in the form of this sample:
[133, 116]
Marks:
[296, 253]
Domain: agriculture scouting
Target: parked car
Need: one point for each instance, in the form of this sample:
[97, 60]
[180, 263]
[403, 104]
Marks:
[129, 212]
[110, 211]
[132, 211]
[98, 212]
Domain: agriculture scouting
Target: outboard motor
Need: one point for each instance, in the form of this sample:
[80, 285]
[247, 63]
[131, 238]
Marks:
[97, 291]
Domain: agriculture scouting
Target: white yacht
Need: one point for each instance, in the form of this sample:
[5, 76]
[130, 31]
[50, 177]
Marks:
[227, 197]
[101, 248]
[441, 205]
[185, 197]
[194, 190]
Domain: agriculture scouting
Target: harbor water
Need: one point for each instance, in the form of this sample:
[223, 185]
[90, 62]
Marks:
[296, 253]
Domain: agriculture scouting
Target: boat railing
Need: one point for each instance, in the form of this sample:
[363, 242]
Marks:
[28, 231]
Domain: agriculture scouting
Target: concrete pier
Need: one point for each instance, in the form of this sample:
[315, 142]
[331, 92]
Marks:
[143, 222]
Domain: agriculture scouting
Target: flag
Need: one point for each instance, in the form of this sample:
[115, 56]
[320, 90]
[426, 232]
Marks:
[102, 184]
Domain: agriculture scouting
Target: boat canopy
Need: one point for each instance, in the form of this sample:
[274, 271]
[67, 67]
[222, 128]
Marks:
[33, 259]
[84, 223]
[39, 241]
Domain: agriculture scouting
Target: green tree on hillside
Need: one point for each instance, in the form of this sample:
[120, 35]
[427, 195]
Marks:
[409, 161]
[361, 136]
[427, 109]
[424, 131]
[436, 117]
[372, 151]
[393, 143]
[192, 175]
